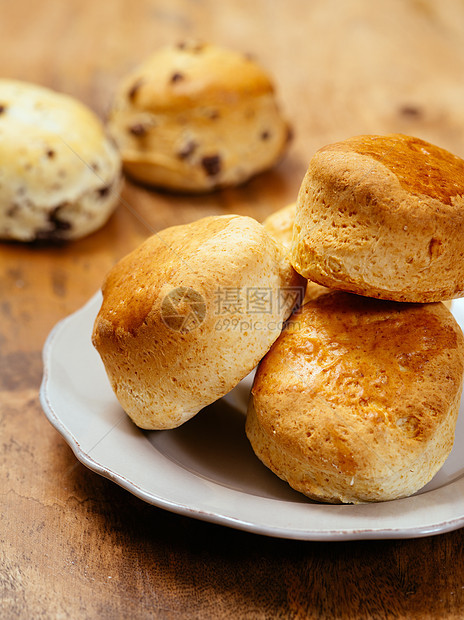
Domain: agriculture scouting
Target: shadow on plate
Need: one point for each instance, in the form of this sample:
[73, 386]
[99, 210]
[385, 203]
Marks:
[213, 445]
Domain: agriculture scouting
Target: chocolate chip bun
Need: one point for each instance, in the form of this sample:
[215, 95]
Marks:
[383, 216]
[280, 226]
[59, 173]
[190, 313]
[195, 117]
[357, 400]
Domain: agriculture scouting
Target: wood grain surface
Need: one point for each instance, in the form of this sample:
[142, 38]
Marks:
[75, 545]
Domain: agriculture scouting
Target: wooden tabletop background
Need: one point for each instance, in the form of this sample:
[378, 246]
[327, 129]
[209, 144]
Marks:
[75, 545]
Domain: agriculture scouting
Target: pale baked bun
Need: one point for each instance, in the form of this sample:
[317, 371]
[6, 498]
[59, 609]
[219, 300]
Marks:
[280, 226]
[189, 313]
[60, 174]
[383, 216]
[195, 117]
[358, 398]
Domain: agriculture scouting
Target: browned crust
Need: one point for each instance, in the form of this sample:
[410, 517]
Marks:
[383, 216]
[164, 371]
[421, 168]
[360, 397]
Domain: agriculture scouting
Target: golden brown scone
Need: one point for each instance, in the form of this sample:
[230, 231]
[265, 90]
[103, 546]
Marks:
[280, 226]
[357, 400]
[60, 175]
[195, 117]
[383, 216]
[189, 313]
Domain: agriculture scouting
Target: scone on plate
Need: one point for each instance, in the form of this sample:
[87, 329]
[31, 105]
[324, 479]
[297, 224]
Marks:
[189, 313]
[280, 226]
[383, 216]
[357, 400]
[59, 173]
[194, 117]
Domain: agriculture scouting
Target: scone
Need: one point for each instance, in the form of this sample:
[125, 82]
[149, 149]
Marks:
[195, 117]
[383, 216]
[280, 226]
[59, 173]
[189, 313]
[357, 400]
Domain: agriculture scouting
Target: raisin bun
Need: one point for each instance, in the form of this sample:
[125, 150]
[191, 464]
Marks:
[189, 313]
[357, 400]
[280, 226]
[195, 117]
[59, 173]
[383, 216]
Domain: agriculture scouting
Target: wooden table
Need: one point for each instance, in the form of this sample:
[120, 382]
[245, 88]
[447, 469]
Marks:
[74, 544]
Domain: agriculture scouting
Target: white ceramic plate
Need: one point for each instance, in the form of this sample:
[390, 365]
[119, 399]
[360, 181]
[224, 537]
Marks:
[206, 468]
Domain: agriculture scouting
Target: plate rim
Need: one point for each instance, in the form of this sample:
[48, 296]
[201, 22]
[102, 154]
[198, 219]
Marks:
[292, 533]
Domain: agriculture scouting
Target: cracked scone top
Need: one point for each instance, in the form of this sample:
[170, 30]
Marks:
[383, 216]
[357, 400]
[59, 172]
[195, 117]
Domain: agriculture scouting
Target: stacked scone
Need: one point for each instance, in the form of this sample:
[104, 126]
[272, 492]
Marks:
[357, 400]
